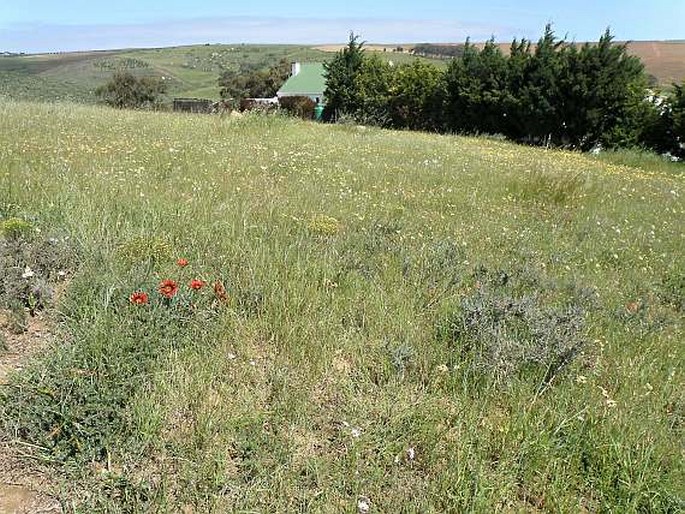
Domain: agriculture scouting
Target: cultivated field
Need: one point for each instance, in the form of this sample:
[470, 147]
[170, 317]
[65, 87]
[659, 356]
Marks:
[404, 321]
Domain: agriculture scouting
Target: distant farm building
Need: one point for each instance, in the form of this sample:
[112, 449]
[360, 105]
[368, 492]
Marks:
[307, 79]
[200, 105]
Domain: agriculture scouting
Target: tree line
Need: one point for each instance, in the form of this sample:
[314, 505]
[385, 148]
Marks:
[552, 93]
[438, 51]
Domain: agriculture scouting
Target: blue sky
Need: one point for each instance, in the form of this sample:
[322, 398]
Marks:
[51, 25]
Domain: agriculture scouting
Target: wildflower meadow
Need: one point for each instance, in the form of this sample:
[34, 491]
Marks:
[259, 314]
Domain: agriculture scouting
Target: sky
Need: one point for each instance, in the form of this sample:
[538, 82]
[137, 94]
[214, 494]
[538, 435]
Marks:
[52, 25]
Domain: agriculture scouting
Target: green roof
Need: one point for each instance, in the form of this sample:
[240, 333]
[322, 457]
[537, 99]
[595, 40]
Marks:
[310, 80]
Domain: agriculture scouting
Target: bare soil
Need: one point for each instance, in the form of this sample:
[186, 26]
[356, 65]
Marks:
[24, 488]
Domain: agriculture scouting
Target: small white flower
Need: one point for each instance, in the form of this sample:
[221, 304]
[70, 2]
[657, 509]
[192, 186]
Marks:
[363, 505]
[411, 454]
[231, 356]
[356, 432]
[28, 273]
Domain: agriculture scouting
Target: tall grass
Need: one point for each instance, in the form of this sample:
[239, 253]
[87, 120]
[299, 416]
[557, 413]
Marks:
[437, 324]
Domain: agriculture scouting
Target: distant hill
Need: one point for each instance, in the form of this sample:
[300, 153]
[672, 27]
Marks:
[192, 71]
[664, 60]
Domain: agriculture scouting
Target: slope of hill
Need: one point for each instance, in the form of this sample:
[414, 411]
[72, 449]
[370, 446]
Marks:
[364, 318]
[191, 71]
[665, 60]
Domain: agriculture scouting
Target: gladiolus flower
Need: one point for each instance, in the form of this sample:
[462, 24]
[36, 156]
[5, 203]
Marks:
[197, 284]
[138, 298]
[182, 262]
[168, 288]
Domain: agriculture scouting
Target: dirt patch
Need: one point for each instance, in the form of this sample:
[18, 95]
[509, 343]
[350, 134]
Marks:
[23, 488]
[19, 499]
[21, 347]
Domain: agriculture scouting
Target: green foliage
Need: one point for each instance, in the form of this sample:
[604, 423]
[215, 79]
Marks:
[127, 91]
[248, 82]
[416, 96]
[557, 94]
[476, 90]
[300, 106]
[341, 72]
[144, 249]
[14, 228]
[372, 86]
[663, 121]
[677, 107]
[29, 264]
[441, 51]
[371, 91]
[79, 415]
[602, 93]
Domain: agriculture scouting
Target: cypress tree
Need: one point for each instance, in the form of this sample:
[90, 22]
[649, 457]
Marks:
[341, 76]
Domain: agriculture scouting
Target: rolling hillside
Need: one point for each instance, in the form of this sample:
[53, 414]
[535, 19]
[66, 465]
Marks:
[192, 71]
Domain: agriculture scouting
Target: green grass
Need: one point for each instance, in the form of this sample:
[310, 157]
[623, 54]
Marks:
[438, 323]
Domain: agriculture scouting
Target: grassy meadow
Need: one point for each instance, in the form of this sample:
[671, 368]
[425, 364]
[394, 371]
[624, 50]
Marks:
[404, 321]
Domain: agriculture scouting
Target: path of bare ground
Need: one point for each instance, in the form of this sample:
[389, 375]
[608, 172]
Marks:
[24, 488]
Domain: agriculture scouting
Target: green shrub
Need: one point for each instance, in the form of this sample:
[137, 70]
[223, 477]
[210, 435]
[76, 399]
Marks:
[28, 267]
[12, 228]
[301, 106]
[127, 91]
[498, 332]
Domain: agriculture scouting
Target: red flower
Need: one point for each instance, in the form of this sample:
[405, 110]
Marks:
[220, 291]
[168, 288]
[197, 284]
[182, 262]
[138, 298]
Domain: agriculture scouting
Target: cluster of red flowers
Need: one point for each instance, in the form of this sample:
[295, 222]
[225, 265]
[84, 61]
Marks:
[169, 288]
